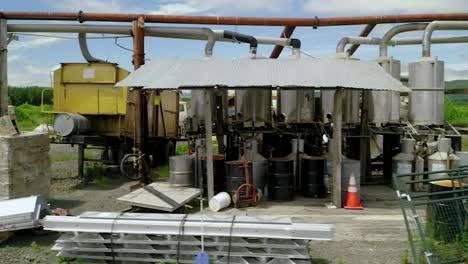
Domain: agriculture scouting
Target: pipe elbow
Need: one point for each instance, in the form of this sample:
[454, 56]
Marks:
[84, 49]
[211, 40]
[295, 43]
[340, 47]
[242, 38]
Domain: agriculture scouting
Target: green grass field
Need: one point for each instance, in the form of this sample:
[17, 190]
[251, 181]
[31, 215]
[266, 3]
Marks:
[29, 116]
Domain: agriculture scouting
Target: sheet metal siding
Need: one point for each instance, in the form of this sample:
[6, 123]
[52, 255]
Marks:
[171, 73]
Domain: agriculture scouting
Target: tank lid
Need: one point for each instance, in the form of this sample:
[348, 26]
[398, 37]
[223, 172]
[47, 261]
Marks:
[407, 145]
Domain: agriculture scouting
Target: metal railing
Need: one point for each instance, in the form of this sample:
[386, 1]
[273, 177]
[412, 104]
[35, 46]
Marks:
[437, 219]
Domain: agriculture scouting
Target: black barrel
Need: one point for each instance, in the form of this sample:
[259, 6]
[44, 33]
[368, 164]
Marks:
[219, 173]
[312, 176]
[281, 179]
[235, 175]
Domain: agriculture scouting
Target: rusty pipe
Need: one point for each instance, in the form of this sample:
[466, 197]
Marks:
[439, 25]
[233, 20]
[383, 48]
[287, 32]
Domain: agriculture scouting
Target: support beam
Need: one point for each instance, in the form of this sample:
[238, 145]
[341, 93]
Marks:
[287, 32]
[209, 144]
[337, 139]
[138, 60]
[364, 148]
[3, 68]
[81, 150]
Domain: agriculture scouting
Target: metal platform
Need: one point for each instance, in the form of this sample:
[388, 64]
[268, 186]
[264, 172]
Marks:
[161, 196]
[166, 238]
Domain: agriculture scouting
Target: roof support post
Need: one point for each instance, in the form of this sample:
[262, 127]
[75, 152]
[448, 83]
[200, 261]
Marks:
[209, 144]
[336, 146]
[3, 68]
[364, 151]
[138, 60]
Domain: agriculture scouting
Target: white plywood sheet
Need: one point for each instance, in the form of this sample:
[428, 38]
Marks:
[143, 198]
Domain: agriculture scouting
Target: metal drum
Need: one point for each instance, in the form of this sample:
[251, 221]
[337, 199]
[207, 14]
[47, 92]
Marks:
[312, 176]
[235, 174]
[281, 179]
[219, 173]
[66, 124]
[181, 170]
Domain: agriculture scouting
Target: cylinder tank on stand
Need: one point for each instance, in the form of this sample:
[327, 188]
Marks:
[66, 124]
[297, 106]
[406, 162]
[254, 106]
[181, 170]
[426, 100]
[197, 105]
[351, 104]
[443, 159]
[384, 106]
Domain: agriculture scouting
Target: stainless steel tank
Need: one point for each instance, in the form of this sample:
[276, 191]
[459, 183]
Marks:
[443, 159]
[426, 101]
[384, 106]
[254, 106]
[197, 105]
[297, 106]
[181, 170]
[351, 105]
[66, 124]
[406, 162]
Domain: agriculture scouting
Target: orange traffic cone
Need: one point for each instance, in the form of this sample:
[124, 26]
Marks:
[352, 198]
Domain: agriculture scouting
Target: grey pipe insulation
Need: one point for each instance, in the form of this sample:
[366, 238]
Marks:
[242, 38]
[84, 49]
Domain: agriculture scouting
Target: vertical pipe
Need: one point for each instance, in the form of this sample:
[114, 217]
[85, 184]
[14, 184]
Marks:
[337, 134]
[3, 68]
[81, 149]
[209, 144]
[138, 60]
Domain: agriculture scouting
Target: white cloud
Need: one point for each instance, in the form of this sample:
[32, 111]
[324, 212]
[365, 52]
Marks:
[369, 7]
[31, 75]
[199, 6]
[33, 42]
[110, 6]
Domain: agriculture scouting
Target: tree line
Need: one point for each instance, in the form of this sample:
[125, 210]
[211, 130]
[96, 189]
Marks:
[28, 95]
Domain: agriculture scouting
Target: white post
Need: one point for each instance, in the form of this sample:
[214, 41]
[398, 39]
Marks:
[3, 68]
[336, 165]
[209, 144]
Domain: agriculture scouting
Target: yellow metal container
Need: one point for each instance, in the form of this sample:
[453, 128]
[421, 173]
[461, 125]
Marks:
[88, 89]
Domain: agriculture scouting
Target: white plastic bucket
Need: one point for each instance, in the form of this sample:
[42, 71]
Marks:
[220, 201]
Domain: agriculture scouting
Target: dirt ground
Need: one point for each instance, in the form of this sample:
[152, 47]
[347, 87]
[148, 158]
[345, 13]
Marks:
[376, 235]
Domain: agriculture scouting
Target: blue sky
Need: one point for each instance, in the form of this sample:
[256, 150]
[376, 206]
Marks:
[32, 58]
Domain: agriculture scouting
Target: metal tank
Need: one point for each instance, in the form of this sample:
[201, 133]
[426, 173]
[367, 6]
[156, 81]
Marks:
[443, 159]
[297, 106]
[351, 105]
[196, 112]
[426, 101]
[66, 124]
[406, 162]
[254, 106]
[384, 106]
[181, 170]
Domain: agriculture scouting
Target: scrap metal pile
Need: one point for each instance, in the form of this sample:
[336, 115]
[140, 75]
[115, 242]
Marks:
[101, 237]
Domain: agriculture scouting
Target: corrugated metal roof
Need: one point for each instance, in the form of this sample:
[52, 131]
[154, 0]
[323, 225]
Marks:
[171, 73]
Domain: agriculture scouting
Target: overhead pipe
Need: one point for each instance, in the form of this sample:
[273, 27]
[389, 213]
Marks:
[152, 31]
[84, 49]
[439, 25]
[340, 48]
[387, 37]
[364, 33]
[163, 32]
[242, 38]
[233, 20]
